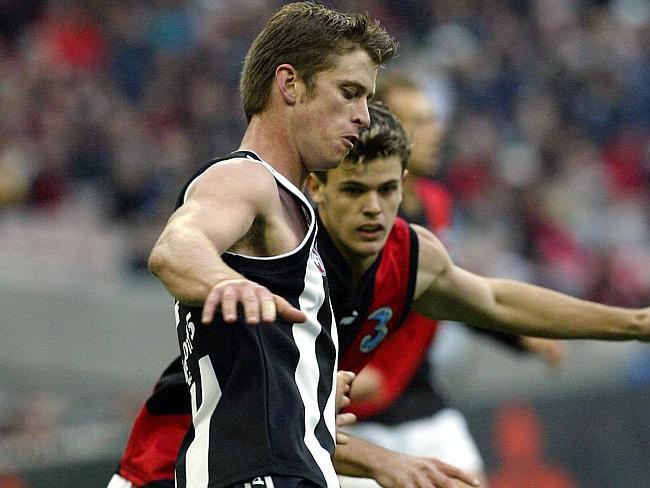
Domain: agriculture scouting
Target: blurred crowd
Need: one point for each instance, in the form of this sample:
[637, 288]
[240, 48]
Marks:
[546, 106]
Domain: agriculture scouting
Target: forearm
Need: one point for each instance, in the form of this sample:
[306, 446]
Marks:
[392, 469]
[357, 458]
[188, 265]
[531, 310]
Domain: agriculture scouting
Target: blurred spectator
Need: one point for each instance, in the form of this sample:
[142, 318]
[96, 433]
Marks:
[548, 115]
[14, 16]
[519, 443]
[14, 183]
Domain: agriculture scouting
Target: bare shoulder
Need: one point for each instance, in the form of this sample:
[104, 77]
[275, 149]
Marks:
[224, 203]
[433, 258]
[241, 179]
[429, 245]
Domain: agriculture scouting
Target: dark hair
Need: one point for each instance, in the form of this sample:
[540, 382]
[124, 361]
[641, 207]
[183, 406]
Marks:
[307, 36]
[385, 137]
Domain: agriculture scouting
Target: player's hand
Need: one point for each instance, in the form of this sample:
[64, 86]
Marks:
[344, 381]
[404, 471]
[256, 302]
[552, 351]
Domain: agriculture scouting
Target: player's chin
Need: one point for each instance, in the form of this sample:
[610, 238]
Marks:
[340, 152]
[365, 248]
[327, 163]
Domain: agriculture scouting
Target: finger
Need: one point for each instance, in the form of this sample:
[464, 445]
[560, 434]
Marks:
[457, 473]
[342, 393]
[287, 311]
[343, 419]
[345, 377]
[342, 402]
[267, 306]
[251, 305]
[342, 438]
[210, 305]
[229, 301]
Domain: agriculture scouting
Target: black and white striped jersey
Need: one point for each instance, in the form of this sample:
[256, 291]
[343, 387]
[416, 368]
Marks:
[263, 397]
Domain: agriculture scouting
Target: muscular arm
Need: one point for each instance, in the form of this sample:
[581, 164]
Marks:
[446, 291]
[219, 211]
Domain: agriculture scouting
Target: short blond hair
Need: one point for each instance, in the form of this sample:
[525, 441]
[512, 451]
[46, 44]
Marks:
[307, 36]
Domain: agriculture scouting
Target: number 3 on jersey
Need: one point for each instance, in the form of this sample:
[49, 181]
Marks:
[382, 316]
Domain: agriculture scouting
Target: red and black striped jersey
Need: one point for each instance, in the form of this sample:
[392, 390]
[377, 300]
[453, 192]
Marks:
[366, 313]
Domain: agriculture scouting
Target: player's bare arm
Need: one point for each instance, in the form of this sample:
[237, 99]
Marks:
[222, 214]
[446, 291]
[396, 470]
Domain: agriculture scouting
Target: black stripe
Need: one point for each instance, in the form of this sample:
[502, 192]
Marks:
[413, 273]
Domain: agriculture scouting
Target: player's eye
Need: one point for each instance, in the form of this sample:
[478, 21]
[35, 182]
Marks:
[387, 190]
[349, 93]
[352, 191]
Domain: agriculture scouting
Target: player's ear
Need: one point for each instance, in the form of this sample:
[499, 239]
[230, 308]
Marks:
[405, 174]
[286, 78]
[315, 187]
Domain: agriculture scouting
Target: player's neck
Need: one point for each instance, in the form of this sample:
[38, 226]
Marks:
[358, 264]
[268, 138]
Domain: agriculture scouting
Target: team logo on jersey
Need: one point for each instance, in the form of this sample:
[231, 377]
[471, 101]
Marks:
[350, 318]
[371, 341]
[315, 257]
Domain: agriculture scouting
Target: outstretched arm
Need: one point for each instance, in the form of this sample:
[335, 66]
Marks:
[218, 212]
[395, 470]
[446, 291]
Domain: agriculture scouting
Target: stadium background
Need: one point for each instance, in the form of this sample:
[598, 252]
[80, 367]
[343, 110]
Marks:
[105, 107]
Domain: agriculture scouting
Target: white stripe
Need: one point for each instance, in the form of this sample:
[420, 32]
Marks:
[118, 482]
[269, 482]
[196, 457]
[330, 406]
[307, 371]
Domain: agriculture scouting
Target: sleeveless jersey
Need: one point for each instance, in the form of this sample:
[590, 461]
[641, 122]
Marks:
[388, 285]
[262, 397]
[379, 303]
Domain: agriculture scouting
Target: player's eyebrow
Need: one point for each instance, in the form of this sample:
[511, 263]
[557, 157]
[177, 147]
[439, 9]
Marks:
[392, 182]
[352, 183]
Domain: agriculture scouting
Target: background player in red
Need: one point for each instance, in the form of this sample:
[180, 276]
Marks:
[394, 397]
